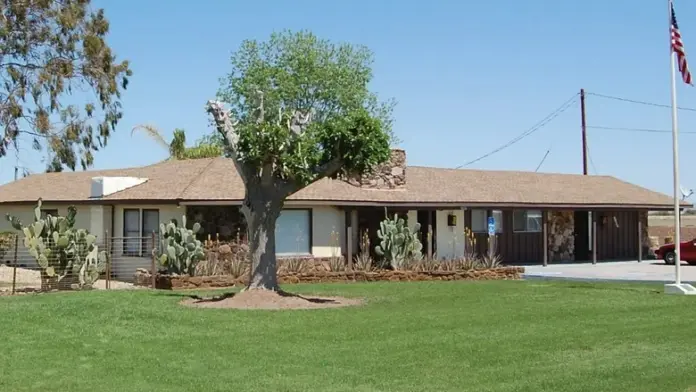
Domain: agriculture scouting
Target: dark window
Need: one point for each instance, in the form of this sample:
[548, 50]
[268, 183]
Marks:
[150, 225]
[51, 212]
[131, 232]
[479, 221]
[528, 221]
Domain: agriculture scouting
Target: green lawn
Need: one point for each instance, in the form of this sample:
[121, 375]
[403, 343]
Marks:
[439, 336]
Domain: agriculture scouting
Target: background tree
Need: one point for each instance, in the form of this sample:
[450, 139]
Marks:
[205, 148]
[49, 50]
[299, 111]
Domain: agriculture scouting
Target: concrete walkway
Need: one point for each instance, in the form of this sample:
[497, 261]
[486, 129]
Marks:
[653, 271]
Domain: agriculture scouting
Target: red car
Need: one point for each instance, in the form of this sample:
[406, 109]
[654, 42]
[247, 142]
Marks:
[687, 252]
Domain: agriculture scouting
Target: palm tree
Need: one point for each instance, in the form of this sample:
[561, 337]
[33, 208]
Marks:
[177, 147]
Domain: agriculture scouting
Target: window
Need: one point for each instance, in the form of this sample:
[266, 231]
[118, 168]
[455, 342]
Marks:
[527, 221]
[479, 221]
[137, 239]
[51, 212]
[294, 232]
[150, 225]
[498, 216]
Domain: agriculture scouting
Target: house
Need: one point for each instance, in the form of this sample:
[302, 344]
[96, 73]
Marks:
[329, 217]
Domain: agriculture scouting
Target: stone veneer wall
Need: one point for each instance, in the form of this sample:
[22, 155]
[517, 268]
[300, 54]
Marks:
[389, 175]
[561, 226]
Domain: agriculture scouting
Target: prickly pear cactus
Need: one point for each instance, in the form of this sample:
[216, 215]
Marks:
[397, 242]
[179, 250]
[68, 258]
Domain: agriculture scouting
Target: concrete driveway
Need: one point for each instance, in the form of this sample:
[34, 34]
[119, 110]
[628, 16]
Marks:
[626, 271]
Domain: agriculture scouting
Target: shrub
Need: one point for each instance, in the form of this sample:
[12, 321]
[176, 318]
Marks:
[363, 260]
[490, 261]
[224, 259]
[293, 265]
[336, 262]
[68, 258]
[423, 265]
[7, 241]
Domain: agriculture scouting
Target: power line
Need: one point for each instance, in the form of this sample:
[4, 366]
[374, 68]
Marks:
[567, 104]
[542, 160]
[636, 129]
[639, 102]
[589, 156]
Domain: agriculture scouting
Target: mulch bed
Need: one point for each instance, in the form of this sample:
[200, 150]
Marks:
[168, 282]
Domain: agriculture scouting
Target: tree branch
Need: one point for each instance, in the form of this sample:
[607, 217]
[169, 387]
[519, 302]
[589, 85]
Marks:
[225, 126]
[329, 168]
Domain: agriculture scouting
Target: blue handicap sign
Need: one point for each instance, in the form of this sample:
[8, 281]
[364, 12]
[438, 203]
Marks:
[491, 225]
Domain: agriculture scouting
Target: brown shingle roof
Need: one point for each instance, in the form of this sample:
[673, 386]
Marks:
[215, 179]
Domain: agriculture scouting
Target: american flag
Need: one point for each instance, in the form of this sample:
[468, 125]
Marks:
[678, 49]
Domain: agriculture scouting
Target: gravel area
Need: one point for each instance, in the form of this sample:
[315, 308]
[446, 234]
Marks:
[31, 279]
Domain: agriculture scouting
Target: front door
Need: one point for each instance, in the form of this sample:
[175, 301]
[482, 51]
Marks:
[427, 218]
[581, 233]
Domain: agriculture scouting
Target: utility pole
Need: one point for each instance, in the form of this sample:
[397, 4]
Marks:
[584, 131]
[590, 221]
[16, 172]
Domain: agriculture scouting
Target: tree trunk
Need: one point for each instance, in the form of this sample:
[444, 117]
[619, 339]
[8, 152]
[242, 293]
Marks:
[261, 213]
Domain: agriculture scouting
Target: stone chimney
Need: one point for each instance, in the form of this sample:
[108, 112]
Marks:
[389, 175]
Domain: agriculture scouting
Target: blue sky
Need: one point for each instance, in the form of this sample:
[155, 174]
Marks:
[468, 76]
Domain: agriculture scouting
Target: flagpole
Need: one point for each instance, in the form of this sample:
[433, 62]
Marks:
[675, 155]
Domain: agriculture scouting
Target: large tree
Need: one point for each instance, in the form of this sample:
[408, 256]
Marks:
[298, 110]
[61, 82]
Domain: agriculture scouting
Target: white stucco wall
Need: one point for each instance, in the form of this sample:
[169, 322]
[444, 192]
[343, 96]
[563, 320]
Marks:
[450, 240]
[123, 267]
[412, 219]
[166, 213]
[328, 231]
[26, 214]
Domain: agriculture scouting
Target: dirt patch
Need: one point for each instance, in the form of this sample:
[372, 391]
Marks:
[270, 300]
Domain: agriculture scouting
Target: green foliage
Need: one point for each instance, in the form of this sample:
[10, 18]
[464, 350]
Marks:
[202, 151]
[68, 257]
[177, 147]
[51, 49]
[179, 250]
[303, 108]
[398, 244]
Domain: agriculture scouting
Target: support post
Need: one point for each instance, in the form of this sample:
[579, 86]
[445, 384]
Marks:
[349, 239]
[584, 131]
[544, 218]
[14, 265]
[430, 235]
[464, 245]
[594, 237]
[154, 264]
[640, 239]
[107, 246]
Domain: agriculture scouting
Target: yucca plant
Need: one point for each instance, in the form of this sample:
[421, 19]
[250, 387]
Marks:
[293, 265]
[490, 261]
